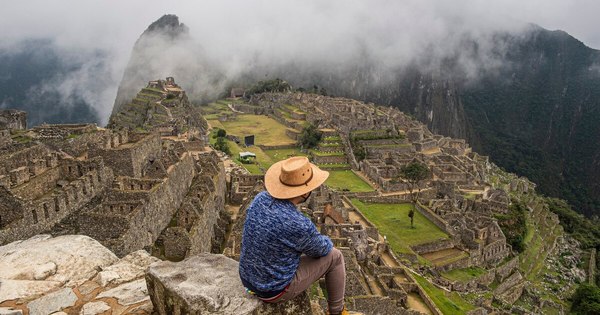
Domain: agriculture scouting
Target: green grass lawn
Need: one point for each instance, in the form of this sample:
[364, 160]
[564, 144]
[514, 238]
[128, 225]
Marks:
[392, 221]
[447, 302]
[464, 275]
[348, 180]
[282, 154]
[323, 153]
[266, 130]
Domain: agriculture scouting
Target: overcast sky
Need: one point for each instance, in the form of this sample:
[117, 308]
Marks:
[235, 31]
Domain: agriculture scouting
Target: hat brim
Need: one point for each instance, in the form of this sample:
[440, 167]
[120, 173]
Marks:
[279, 190]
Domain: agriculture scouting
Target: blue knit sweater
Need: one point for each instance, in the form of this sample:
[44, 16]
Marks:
[275, 235]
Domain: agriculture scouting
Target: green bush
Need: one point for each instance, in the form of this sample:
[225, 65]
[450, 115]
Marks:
[514, 225]
[310, 137]
[276, 85]
[586, 300]
[221, 145]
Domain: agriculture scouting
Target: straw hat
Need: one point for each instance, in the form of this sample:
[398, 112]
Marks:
[293, 177]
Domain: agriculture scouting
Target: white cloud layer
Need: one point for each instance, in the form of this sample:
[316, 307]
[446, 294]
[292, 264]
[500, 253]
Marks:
[238, 34]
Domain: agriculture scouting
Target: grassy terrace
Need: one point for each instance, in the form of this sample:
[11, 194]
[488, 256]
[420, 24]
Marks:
[282, 154]
[392, 221]
[346, 179]
[332, 139]
[322, 153]
[391, 145]
[447, 302]
[464, 275]
[293, 108]
[266, 130]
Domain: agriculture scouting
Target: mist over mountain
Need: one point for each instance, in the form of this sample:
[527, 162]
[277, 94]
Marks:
[37, 77]
[528, 97]
[459, 67]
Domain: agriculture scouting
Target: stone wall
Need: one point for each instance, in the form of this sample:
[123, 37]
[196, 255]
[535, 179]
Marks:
[511, 289]
[38, 186]
[5, 138]
[437, 220]
[433, 246]
[506, 269]
[241, 184]
[277, 147]
[14, 160]
[42, 214]
[146, 222]
[13, 119]
[130, 159]
[329, 159]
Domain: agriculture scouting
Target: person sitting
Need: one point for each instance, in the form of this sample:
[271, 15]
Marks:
[282, 253]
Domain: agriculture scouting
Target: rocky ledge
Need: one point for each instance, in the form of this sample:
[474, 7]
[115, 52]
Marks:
[75, 274]
[209, 284]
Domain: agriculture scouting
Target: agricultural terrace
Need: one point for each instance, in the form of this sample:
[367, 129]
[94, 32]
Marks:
[392, 221]
[270, 132]
[264, 158]
[464, 274]
[447, 302]
[346, 179]
[267, 131]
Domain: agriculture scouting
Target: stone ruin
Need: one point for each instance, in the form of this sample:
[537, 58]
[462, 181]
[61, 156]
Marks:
[163, 107]
[457, 196]
[13, 119]
[150, 183]
[126, 188]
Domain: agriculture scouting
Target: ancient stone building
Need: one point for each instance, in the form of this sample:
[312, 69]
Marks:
[125, 187]
[13, 119]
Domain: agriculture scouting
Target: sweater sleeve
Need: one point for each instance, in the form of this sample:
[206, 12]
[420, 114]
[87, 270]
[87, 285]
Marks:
[314, 244]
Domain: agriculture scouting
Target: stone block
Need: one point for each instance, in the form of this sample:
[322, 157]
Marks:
[19, 175]
[37, 166]
[10, 311]
[52, 302]
[209, 284]
[5, 181]
[129, 293]
[94, 308]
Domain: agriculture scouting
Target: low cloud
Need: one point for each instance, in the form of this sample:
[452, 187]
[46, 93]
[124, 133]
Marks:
[231, 38]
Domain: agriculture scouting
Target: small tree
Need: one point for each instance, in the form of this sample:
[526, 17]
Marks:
[221, 133]
[221, 145]
[411, 215]
[309, 137]
[414, 173]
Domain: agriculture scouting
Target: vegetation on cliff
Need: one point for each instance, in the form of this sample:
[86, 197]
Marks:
[276, 85]
[514, 225]
[586, 300]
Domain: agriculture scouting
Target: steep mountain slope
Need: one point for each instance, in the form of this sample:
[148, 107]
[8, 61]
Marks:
[530, 100]
[165, 49]
[539, 116]
[536, 113]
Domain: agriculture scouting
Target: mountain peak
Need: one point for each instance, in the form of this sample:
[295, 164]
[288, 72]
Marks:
[167, 24]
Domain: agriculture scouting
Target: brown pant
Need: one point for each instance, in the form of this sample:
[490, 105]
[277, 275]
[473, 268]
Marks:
[312, 269]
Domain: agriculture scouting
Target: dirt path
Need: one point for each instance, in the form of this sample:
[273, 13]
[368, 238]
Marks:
[415, 302]
[353, 217]
[389, 260]
[233, 109]
[401, 278]
[442, 254]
